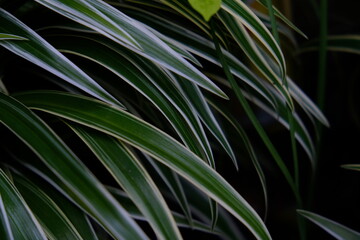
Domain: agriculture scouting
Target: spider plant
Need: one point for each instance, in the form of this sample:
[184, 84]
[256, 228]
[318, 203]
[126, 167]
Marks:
[129, 119]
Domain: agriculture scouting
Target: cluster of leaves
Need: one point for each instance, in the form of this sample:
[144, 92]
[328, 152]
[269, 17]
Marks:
[121, 117]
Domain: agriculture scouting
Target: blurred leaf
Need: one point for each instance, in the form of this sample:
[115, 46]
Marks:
[284, 19]
[335, 229]
[355, 167]
[162, 147]
[338, 43]
[6, 36]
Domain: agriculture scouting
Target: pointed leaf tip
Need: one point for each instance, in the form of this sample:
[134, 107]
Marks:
[206, 8]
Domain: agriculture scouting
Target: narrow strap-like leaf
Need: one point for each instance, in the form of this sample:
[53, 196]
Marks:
[169, 101]
[223, 110]
[199, 102]
[259, 128]
[133, 178]
[6, 36]
[23, 223]
[36, 50]
[240, 11]
[50, 216]
[5, 229]
[337, 43]
[202, 47]
[162, 147]
[284, 19]
[63, 162]
[172, 181]
[181, 220]
[335, 229]
[151, 46]
[355, 167]
[248, 45]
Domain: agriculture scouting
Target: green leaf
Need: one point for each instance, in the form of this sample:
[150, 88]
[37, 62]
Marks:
[240, 11]
[22, 221]
[250, 48]
[337, 43]
[172, 181]
[355, 167]
[181, 220]
[120, 124]
[253, 118]
[198, 100]
[5, 229]
[6, 36]
[151, 46]
[149, 80]
[284, 19]
[226, 113]
[45, 181]
[54, 221]
[335, 229]
[202, 47]
[41, 53]
[207, 8]
[133, 178]
[91, 195]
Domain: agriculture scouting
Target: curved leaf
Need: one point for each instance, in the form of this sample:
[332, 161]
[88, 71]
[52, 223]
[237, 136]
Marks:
[22, 221]
[63, 162]
[240, 11]
[151, 46]
[156, 87]
[162, 147]
[335, 229]
[5, 229]
[338, 43]
[41, 53]
[53, 220]
[6, 36]
[355, 167]
[133, 178]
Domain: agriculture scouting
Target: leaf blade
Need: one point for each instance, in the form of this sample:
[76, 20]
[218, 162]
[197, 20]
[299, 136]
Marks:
[335, 229]
[60, 159]
[159, 145]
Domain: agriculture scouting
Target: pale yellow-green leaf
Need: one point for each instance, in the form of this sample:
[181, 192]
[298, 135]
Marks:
[206, 8]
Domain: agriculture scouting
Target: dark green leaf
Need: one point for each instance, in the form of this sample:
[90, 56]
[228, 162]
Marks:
[62, 161]
[162, 147]
[335, 229]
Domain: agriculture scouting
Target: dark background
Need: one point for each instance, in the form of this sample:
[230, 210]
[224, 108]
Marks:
[336, 190]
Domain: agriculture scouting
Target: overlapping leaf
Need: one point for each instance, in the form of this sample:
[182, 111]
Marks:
[51, 217]
[133, 178]
[335, 229]
[152, 83]
[92, 196]
[136, 132]
[36, 50]
[22, 222]
[150, 46]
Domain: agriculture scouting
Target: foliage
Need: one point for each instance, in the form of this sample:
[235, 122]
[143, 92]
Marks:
[126, 119]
